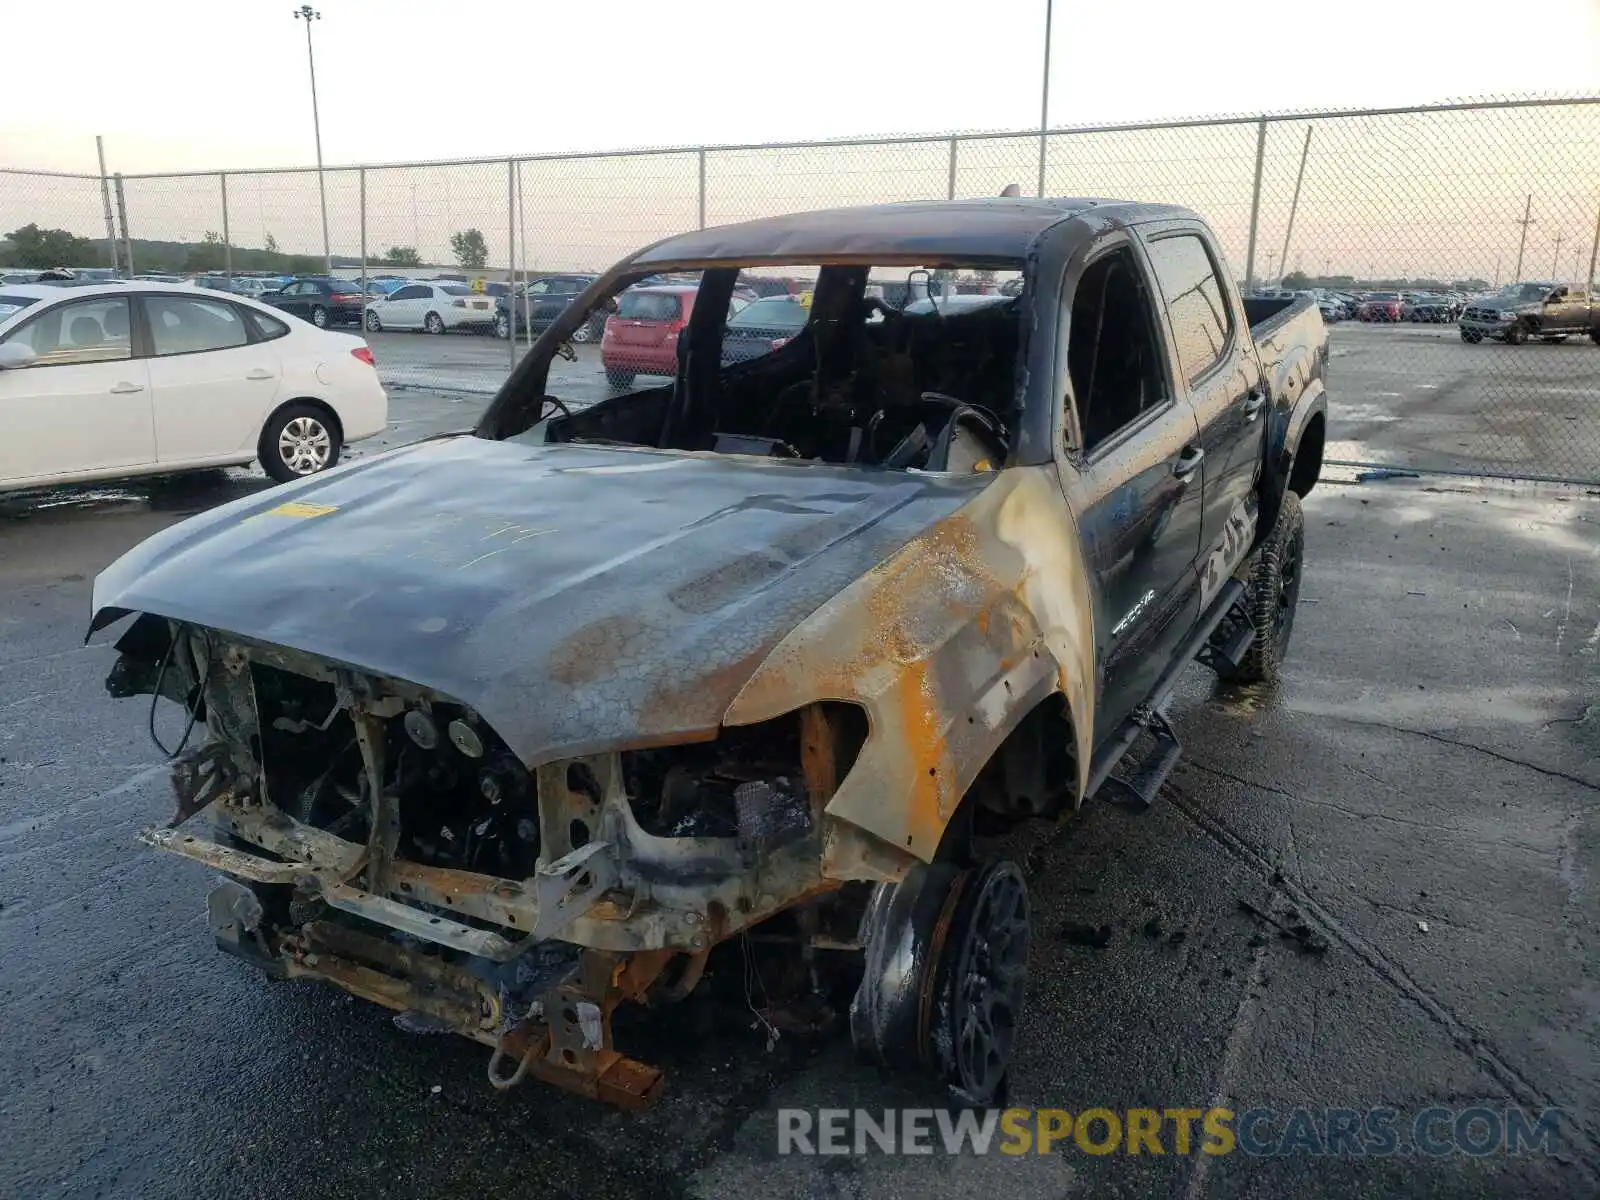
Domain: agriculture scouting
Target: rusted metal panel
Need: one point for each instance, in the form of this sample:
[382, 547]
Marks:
[946, 644]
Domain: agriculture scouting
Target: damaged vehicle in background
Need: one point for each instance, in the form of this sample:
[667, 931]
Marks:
[761, 655]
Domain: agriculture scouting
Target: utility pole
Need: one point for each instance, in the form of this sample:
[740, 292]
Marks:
[1272, 257]
[1555, 269]
[105, 200]
[308, 14]
[1044, 97]
[1522, 242]
[1594, 251]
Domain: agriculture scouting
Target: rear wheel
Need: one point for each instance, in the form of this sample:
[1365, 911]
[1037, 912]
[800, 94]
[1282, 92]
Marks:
[433, 323]
[1272, 593]
[374, 324]
[299, 440]
[502, 327]
[1594, 335]
[589, 331]
[1468, 335]
[319, 316]
[619, 379]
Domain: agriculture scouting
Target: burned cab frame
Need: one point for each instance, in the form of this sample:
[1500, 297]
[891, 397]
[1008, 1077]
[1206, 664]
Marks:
[501, 731]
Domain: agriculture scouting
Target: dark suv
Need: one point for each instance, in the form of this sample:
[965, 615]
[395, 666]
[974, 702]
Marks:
[547, 299]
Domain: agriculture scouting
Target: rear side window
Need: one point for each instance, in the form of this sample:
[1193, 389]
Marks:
[10, 305]
[455, 289]
[1201, 319]
[182, 326]
[650, 306]
[266, 327]
[94, 330]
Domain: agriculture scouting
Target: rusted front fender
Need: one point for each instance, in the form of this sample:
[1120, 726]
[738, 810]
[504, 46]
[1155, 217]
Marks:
[947, 645]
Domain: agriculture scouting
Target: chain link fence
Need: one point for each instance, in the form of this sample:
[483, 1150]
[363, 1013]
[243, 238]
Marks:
[1433, 206]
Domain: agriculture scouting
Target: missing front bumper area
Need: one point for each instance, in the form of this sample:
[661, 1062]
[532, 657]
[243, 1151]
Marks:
[562, 1037]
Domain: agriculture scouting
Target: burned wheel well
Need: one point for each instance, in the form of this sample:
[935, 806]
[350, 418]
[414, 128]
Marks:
[1308, 457]
[1032, 773]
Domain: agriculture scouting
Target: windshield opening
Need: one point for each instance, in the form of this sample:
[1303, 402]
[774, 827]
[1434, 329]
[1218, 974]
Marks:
[893, 367]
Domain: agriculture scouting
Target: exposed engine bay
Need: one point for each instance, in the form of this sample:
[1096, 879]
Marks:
[929, 383]
[384, 834]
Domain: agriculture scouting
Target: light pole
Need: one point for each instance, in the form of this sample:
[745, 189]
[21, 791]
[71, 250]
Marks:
[1555, 268]
[308, 14]
[1044, 97]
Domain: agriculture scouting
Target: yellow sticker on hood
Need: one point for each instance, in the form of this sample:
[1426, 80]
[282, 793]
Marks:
[300, 511]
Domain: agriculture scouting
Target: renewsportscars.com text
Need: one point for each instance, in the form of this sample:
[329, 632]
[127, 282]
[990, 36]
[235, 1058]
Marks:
[1257, 1132]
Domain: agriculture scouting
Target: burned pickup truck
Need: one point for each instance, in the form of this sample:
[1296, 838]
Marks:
[503, 730]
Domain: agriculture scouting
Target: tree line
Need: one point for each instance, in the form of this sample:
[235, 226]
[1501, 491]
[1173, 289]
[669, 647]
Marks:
[39, 249]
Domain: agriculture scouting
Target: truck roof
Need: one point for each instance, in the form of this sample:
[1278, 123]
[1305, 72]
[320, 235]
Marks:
[927, 231]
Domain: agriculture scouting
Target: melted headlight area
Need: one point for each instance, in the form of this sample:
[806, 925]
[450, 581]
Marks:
[386, 839]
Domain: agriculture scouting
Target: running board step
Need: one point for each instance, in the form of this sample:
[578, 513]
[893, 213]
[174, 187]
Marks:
[1138, 791]
[1230, 653]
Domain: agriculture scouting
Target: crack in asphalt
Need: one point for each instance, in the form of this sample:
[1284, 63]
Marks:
[1552, 772]
[1209, 769]
[1470, 1041]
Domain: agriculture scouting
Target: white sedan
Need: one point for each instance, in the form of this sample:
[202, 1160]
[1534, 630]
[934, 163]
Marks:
[434, 307]
[104, 382]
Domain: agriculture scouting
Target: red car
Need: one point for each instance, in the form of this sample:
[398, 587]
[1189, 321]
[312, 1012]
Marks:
[641, 338]
[1380, 306]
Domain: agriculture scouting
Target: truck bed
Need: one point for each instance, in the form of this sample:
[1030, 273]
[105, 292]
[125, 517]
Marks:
[1287, 334]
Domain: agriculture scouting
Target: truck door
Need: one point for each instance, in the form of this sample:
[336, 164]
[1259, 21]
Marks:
[1219, 373]
[1566, 311]
[1131, 472]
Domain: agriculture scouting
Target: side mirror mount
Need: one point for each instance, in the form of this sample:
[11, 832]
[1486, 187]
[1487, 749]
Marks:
[14, 356]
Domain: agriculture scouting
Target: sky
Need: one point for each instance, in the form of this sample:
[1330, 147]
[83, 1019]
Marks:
[192, 84]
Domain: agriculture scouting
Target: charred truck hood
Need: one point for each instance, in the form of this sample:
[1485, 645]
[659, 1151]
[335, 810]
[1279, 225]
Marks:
[578, 597]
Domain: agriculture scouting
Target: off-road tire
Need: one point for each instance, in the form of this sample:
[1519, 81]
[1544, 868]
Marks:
[1272, 592]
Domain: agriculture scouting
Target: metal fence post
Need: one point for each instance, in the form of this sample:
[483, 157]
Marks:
[522, 263]
[105, 200]
[227, 241]
[511, 249]
[701, 154]
[1294, 205]
[950, 188]
[1255, 207]
[122, 215]
[361, 186]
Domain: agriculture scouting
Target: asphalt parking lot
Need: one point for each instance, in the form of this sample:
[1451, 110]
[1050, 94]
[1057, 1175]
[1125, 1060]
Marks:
[1419, 792]
[1410, 395]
